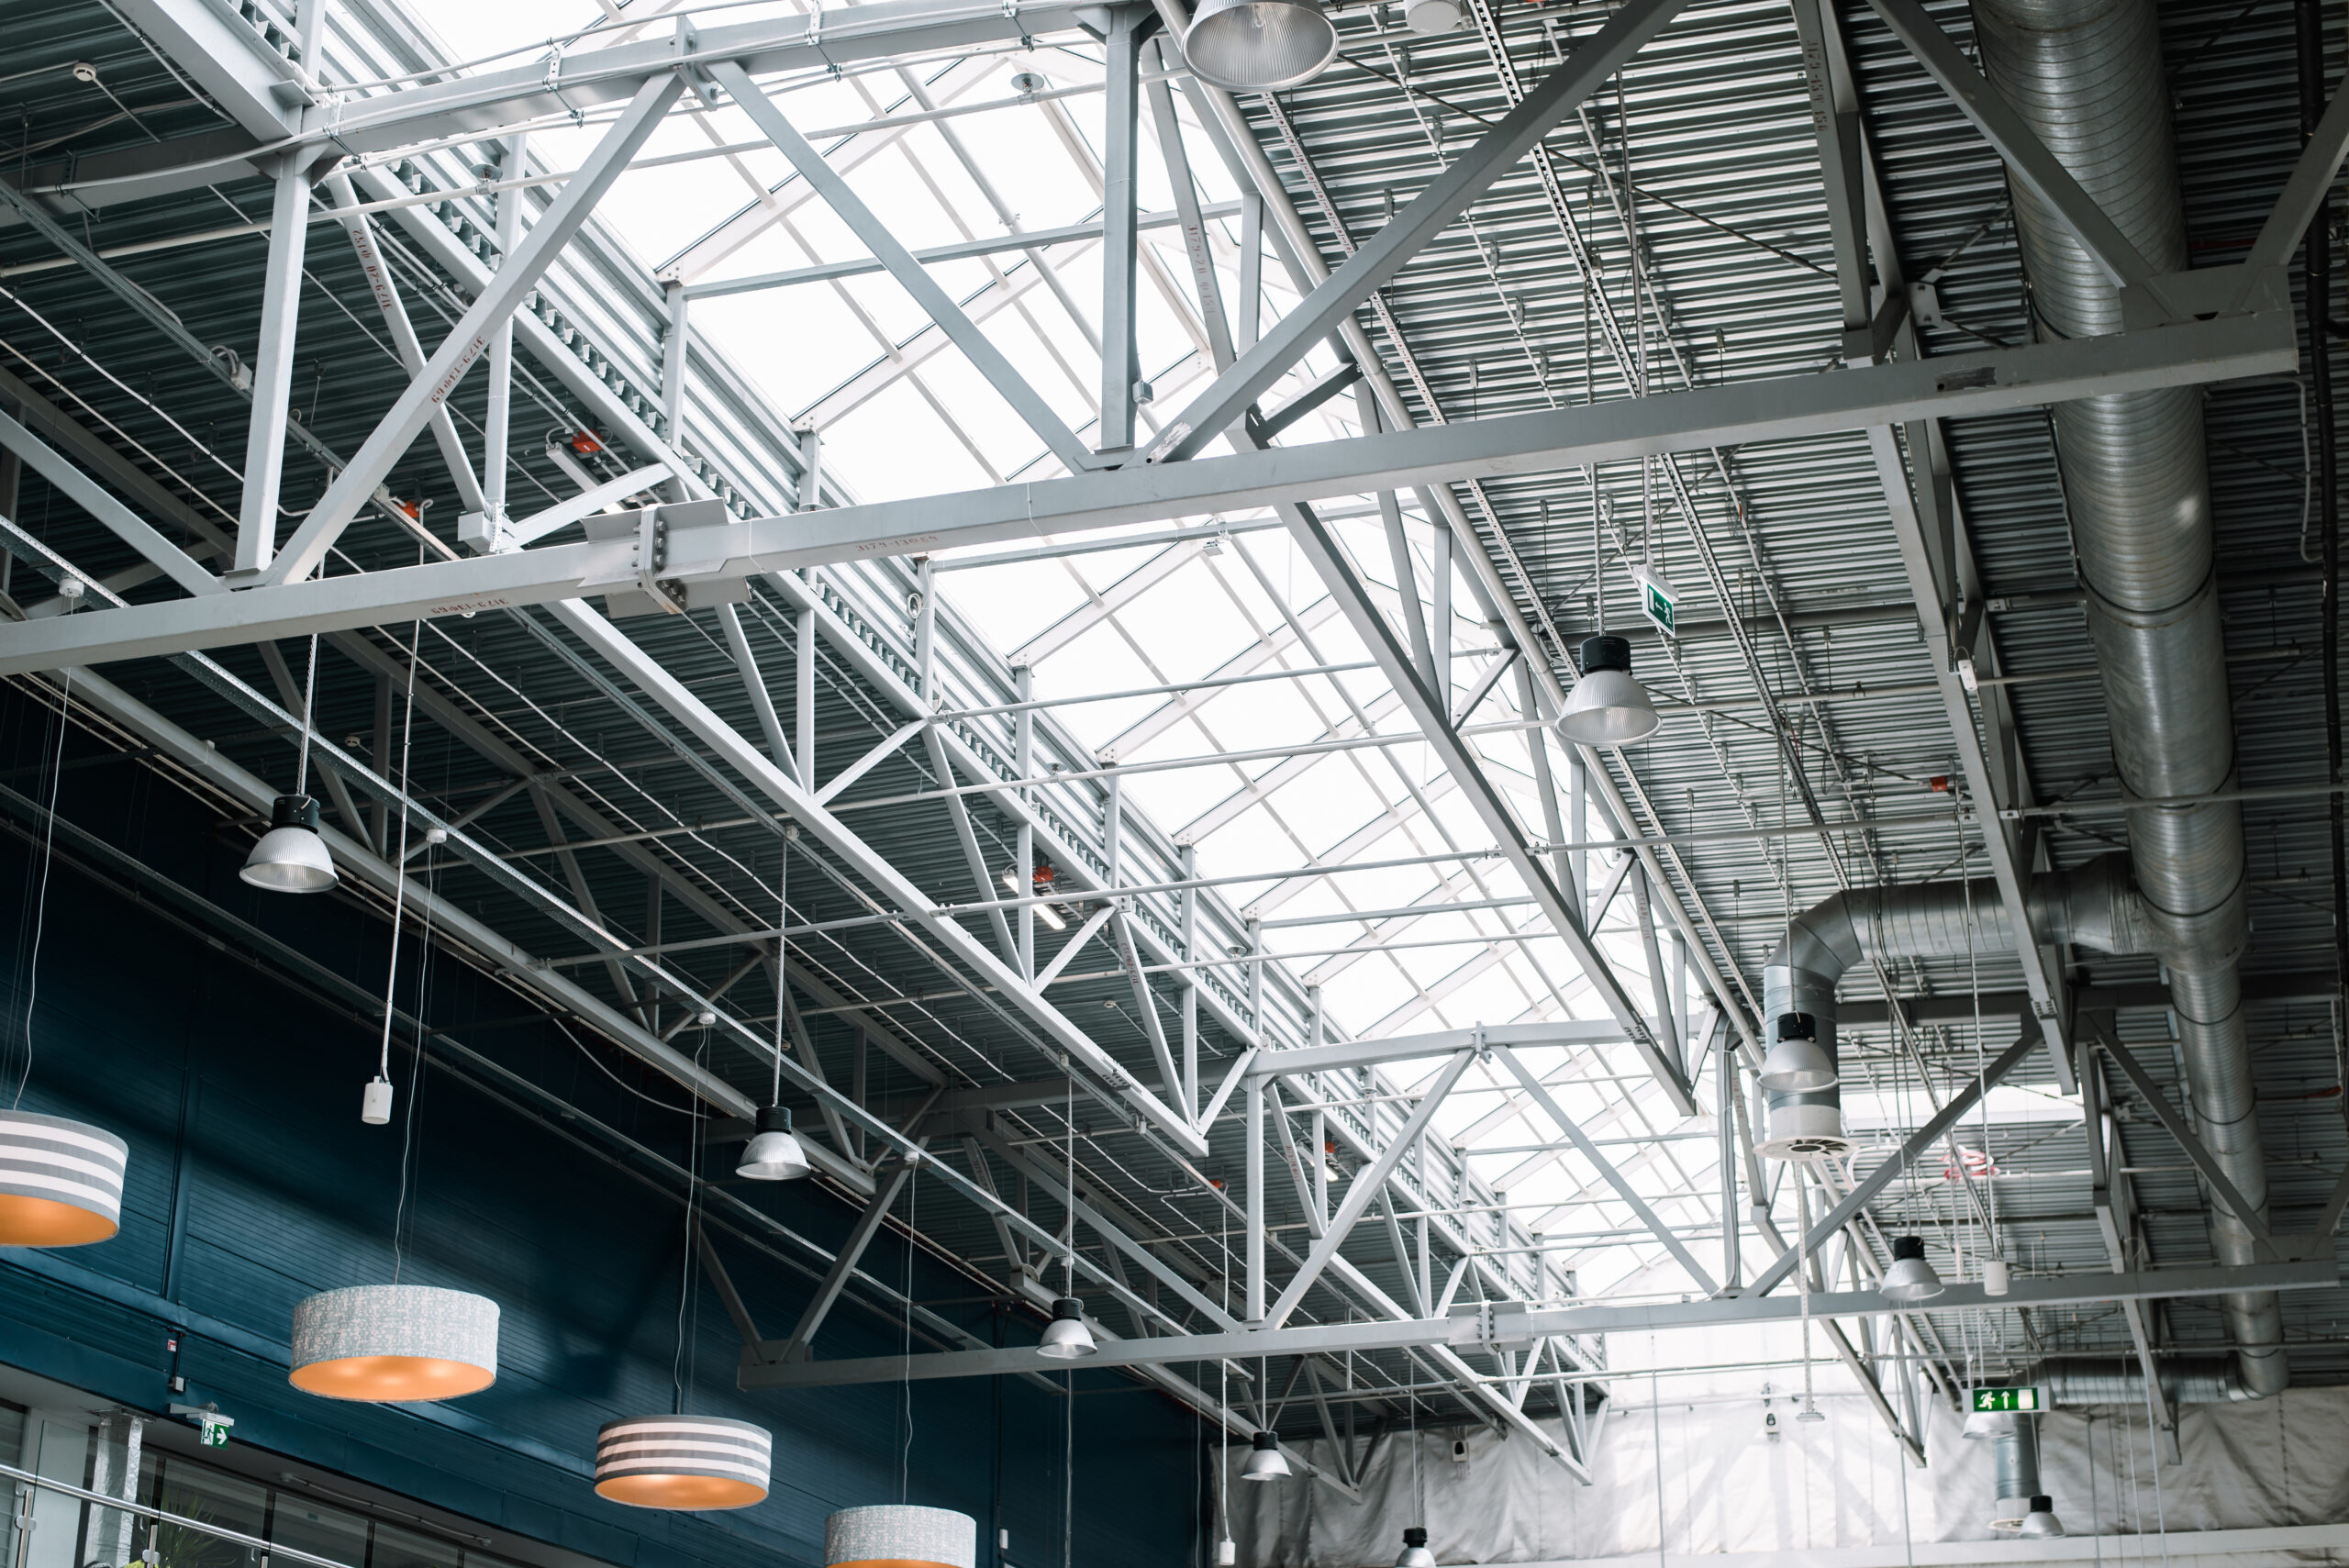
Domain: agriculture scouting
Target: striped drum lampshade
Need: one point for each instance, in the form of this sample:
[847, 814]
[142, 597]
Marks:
[60, 1181]
[895, 1535]
[682, 1461]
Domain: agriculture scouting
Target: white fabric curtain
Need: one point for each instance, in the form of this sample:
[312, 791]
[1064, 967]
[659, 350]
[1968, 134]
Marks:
[1731, 1482]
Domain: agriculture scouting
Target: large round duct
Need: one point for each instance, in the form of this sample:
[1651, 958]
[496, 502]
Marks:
[2088, 77]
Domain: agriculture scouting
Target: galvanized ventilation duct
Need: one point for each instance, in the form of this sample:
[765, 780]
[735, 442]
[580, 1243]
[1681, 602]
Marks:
[2095, 906]
[2087, 76]
[2014, 1451]
[2123, 1382]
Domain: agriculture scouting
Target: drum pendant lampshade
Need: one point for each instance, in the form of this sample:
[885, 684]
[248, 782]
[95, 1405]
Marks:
[895, 1535]
[60, 1181]
[683, 1462]
[395, 1343]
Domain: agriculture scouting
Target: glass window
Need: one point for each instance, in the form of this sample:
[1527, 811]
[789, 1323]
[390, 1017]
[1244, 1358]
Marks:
[320, 1530]
[397, 1547]
[207, 1496]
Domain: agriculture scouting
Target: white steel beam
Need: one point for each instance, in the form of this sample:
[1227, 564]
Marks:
[935, 302]
[470, 338]
[1464, 1330]
[1734, 414]
[1385, 253]
[648, 676]
[272, 370]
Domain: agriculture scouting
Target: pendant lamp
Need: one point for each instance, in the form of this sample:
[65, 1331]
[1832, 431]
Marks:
[394, 1344]
[291, 857]
[775, 1152]
[1910, 1278]
[1066, 1337]
[1607, 708]
[1255, 46]
[1267, 1463]
[2041, 1523]
[1797, 1064]
[899, 1535]
[60, 1181]
[686, 1462]
[1414, 1550]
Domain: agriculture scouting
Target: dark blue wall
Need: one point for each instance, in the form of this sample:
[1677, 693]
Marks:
[236, 1079]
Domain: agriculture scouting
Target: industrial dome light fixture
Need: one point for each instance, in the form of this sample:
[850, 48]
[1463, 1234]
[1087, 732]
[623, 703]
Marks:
[1910, 1278]
[61, 1181]
[394, 1344]
[1607, 708]
[1414, 1550]
[1267, 1463]
[1256, 46]
[1797, 1064]
[291, 857]
[775, 1152]
[2041, 1523]
[1066, 1337]
[690, 1463]
[899, 1535]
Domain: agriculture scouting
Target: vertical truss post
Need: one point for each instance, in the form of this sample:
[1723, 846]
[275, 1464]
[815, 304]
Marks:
[1367, 1185]
[1399, 551]
[1726, 1114]
[1545, 789]
[1578, 818]
[508, 286]
[676, 344]
[496, 438]
[1120, 368]
[1252, 1101]
[1189, 866]
[1024, 754]
[1440, 612]
[1667, 1028]
[1251, 268]
[281, 302]
[957, 810]
[804, 697]
[811, 465]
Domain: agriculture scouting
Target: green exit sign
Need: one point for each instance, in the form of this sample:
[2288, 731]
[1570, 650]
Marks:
[2029, 1398]
[1657, 599]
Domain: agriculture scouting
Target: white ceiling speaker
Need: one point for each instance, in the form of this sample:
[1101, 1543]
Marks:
[1431, 15]
[1257, 46]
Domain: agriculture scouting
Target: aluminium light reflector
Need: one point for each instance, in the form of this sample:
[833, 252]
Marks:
[61, 1181]
[395, 1343]
[690, 1462]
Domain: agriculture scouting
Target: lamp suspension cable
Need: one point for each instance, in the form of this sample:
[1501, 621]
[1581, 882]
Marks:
[40, 899]
[399, 904]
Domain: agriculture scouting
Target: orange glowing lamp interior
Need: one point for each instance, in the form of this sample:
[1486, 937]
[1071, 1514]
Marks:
[45, 1222]
[392, 1379]
[681, 1492]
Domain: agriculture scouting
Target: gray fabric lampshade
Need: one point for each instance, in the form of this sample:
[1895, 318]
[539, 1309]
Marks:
[898, 1535]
